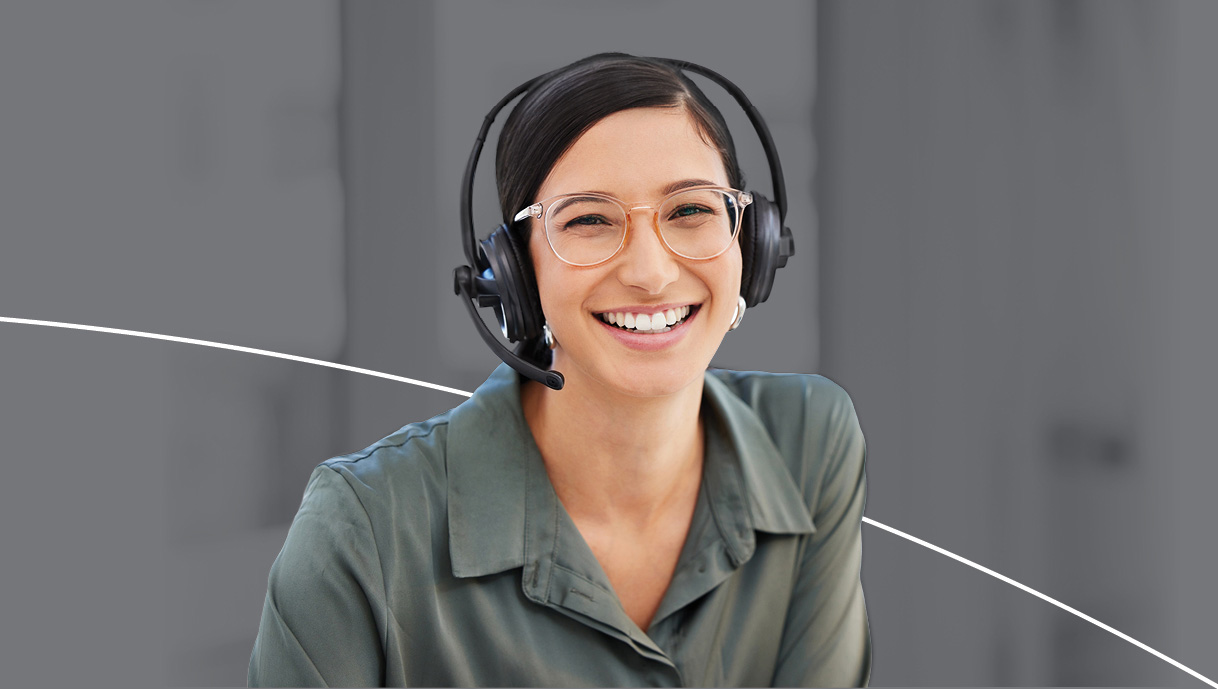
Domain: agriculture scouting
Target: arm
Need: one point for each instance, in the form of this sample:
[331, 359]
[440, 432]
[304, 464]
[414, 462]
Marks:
[826, 640]
[318, 625]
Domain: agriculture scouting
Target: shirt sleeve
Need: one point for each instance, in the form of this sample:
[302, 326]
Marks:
[318, 623]
[826, 641]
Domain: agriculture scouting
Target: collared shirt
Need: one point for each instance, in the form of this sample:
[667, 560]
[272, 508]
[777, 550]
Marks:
[441, 556]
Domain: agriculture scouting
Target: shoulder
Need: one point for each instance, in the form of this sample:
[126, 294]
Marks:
[786, 401]
[414, 453]
[751, 384]
[811, 420]
[398, 484]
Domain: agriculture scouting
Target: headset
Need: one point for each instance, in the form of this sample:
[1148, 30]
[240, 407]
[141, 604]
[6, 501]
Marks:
[500, 274]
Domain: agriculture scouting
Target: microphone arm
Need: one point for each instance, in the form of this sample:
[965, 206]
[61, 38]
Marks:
[463, 284]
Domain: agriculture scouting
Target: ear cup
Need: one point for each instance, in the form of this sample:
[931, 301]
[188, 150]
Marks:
[519, 308]
[765, 246]
[748, 248]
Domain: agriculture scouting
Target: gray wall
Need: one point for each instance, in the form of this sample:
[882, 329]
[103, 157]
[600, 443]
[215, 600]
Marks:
[1003, 222]
[171, 168]
[1015, 202]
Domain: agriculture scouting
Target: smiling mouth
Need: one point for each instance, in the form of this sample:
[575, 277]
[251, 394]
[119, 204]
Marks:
[649, 323]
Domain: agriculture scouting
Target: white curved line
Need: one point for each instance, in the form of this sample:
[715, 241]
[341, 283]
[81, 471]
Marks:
[1041, 596]
[442, 388]
[235, 348]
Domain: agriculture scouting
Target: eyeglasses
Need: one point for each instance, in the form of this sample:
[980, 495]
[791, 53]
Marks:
[587, 229]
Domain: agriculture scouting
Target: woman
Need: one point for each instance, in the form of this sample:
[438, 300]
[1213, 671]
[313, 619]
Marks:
[651, 522]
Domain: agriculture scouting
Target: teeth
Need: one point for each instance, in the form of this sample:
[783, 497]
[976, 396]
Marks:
[658, 322]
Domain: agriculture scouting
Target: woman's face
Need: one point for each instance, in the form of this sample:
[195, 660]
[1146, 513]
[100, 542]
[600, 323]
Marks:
[638, 156]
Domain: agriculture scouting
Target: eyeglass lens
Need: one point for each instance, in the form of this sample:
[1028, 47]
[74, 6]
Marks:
[697, 223]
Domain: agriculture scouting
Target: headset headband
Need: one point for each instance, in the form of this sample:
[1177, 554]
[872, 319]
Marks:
[470, 241]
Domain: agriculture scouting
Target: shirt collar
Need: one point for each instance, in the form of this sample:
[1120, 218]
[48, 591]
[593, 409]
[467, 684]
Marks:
[775, 503]
[491, 456]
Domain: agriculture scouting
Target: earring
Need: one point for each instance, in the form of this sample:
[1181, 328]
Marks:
[740, 307]
[548, 336]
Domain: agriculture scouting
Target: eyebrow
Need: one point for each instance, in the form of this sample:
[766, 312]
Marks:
[683, 184]
[575, 198]
[686, 183]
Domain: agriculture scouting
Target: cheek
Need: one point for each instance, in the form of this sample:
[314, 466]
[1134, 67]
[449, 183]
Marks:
[727, 284]
[553, 279]
[539, 252]
[731, 273]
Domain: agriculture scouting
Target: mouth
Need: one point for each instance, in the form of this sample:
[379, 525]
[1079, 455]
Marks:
[649, 322]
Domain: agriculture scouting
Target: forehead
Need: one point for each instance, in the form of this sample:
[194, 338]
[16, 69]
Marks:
[635, 153]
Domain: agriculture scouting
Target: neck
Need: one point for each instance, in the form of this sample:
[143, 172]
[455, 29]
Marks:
[613, 458]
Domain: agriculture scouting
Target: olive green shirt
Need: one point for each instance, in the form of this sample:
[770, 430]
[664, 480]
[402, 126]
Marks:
[441, 556]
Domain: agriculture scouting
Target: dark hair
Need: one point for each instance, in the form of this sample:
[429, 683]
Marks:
[566, 103]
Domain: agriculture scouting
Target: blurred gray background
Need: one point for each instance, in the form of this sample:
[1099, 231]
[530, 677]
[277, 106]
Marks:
[1004, 224]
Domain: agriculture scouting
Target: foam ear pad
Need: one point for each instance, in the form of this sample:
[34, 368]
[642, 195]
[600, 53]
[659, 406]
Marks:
[529, 299]
[519, 308]
[761, 249]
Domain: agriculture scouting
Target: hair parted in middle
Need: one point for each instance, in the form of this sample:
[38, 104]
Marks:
[569, 100]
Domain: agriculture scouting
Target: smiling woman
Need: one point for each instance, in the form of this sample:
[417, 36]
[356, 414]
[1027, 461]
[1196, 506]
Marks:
[636, 519]
[637, 154]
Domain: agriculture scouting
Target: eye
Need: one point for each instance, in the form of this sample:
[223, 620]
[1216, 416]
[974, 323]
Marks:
[585, 220]
[686, 210]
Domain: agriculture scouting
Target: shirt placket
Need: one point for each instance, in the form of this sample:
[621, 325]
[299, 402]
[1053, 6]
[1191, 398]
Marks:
[561, 573]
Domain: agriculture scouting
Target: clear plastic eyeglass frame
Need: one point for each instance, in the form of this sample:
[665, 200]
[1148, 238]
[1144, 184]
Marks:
[541, 211]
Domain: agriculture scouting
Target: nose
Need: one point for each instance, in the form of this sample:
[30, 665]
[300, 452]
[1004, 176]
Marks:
[645, 262]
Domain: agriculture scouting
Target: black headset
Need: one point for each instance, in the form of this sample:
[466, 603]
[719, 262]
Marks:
[500, 274]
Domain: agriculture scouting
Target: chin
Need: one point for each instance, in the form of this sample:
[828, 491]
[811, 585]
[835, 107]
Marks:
[656, 379]
[644, 374]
